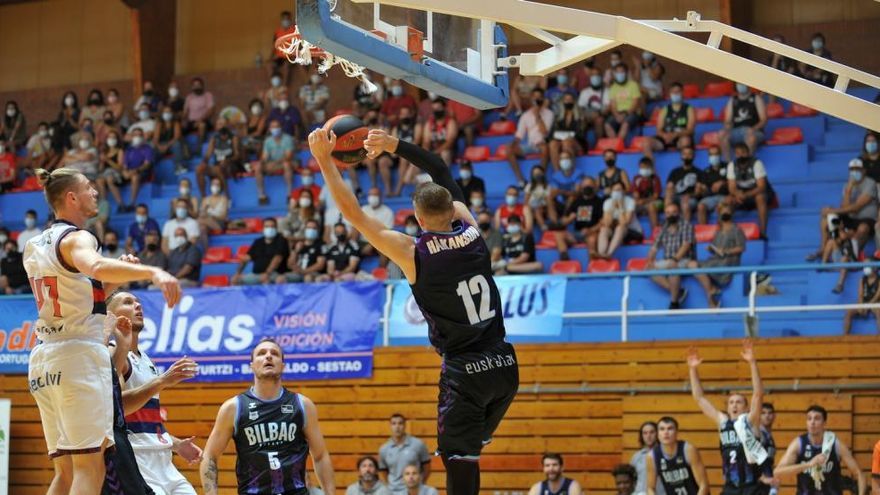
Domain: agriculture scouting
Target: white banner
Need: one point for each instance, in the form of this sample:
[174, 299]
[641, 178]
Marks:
[5, 410]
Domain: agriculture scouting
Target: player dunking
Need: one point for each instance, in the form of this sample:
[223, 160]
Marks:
[449, 270]
[274, 431]
[69, 371]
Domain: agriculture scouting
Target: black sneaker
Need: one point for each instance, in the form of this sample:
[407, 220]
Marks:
[263, 200]
[674, 305]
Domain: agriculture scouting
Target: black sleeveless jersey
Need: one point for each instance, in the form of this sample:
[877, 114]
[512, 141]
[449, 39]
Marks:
[455, 290]
[563, 488]
[270, 445]
[745, 112]
[833, 484]
[737, 470]
[676, 121]
[675, 472]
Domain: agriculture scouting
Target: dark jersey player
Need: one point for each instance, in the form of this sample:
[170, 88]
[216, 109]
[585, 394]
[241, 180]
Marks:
[274, 431]
[449, 269]
[675, 464]
[740, 476]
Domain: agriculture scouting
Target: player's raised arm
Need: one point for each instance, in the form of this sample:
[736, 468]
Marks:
[748, 355]
[220, 436]
[693, 361]
[395, 245]
[317, 448]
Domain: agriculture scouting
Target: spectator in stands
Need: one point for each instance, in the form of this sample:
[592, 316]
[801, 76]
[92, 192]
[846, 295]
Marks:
[174, 100]
[223, 158]
[519, 249]
[138, 161]
[625, 481]
[97, 224]
[168, 139]
[184, 191]
[637, 464]
[682, 184]
[871, 156]
[513, 206]
[365, 101]
[612, 174]
[842, 247]
[4, 236]
[39, 148]
[182, 218]
[105, 127]
[145, 123]
[268, 254]
[342, 256]
[779, 62]
[313, 98]
[413, 478]
[112, 164]
[568, 130]
[68, 117]
[381, 164]
[407, 129]
[83, 158]
[289, 117]
[493, 238]
[591, 102]
[744, 119]
[563, 87]
[255, 130]
[532, 131]
[868, 294]
[726, 249]
[301, 210]
[399, 451]
[675, 124]
[615, 59]
[277, 156]
[110, 247]
[521, 93]
[581, 78]
[749, 186]
[649, 71]
[647, 191]
[198, 110]
[440, 132]
[137, 230]
[307, 260]
[537, 198]
[148, 97]
[13, 277]
[13, 128]
[625, 104]
[677, 242]
[94, 108]
[555, 481]
[8, 168]
[478, 203]
[468, 182]
[857, 211]
[819, 76]
[115, 105]
[467, 118]
[713, 186]
[307, 177]
[619, 222]
[277, 91]
[368, 479]
[184, 258]
[152, 253]
[376, 209]
[213, 212]
[30, 229]
[584, 212]
[564, 182]
[86, 130]
[397, 99]
[279, 58]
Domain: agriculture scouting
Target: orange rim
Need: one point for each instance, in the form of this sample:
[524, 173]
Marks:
[283, 42]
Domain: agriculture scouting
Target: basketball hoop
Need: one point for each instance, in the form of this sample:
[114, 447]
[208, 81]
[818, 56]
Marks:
[301, 52]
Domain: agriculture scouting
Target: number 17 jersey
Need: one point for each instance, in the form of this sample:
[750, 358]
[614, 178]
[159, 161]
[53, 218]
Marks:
[455, 290]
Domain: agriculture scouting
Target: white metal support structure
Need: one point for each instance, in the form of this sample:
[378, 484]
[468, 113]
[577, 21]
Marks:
[594, 33]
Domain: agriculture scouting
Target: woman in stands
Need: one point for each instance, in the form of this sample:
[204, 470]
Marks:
[68, 117]
[110, 169]
[213, 212]
[252, 142]
[300, 212]
[538, 196]
[568, 131]
[168, 138]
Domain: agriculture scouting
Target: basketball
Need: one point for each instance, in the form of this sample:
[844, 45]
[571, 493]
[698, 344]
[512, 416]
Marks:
[350, 135]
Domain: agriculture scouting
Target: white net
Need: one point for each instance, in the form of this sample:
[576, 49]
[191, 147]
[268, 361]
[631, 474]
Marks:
[299, 51]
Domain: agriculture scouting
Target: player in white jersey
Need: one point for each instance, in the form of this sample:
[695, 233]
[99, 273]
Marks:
[151, 442]
[69, 371]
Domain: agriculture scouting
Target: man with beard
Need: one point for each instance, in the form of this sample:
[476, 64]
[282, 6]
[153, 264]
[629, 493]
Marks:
[152, 444]
[555, 483]
[274, 431]
[368, 481]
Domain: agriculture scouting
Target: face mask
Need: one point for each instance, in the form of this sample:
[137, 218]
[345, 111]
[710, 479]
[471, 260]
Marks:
[180, 213]
[537, 177]
[465, 174]
[270, 232]
[215, 189]
[484, 226]
[184, 191]
[817, 44]
[84, 144]
[610, 162]
[311, 234]
[396, 91]
[308, 180]
[588, 191]
[275, 81]
[316, 79]
[742, 89]
[726, 217]
[476, 202]
[412, 230]
[275, 131]
[10, 112]
[439, 114]
[68, 101]
[645, 172]
[675, 98]
[539, 102]
[562, 80]
[615, 62]
[595, 80]
[406, 121]
[137, 141]
[111, 142]
[112, 98]
[871, 147]
[647, 56]
[30, 222]
[867, 271]
[111, 247]
[148, 92]
[143, 115]
[108, 121]
[152, 246]
[855, 175]
[305, 202]
[431, 95]
[672, 219]
[565, 163]
[45, 133]
[714, 160]
[173, 92]
[256, 109]
[340, 237]
[373, 201]
[687, 160]
[510, 200]
[616, 195]
[167, 116]
[620, 77]
[141, 219]
[568, 106]
[513, 228]
[175, 242]
[198, 90]
[283, 104]
[285, 23]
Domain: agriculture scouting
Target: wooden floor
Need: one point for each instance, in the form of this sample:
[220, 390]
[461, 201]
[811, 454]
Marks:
[593, 430]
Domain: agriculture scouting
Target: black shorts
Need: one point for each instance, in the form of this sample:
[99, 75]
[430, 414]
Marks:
[853, 223]
[476, 388]
[753, 489]
[123, 476]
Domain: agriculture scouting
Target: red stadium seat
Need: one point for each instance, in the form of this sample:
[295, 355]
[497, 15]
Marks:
[216, 281]
[501, 128]
[241, 252]
[704, 114]
[400, 216]
[637, 145]
[718, 89]
[380, 273]
[798, 110]
[217, 254]
[501, 152]
[751, 230]
[705, 233]
[775, 111]
[603, 266]
[13, 236]
[548, 240]
[245, 226]
[787, 135]
[603, 144]
[565, 266]
[711, 138]
[477, 153]
[636, 264]
[655, 114]
[690, 91]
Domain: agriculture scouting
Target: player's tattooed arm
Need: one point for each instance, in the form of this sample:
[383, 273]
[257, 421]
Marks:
[209, 476]
[220, 436]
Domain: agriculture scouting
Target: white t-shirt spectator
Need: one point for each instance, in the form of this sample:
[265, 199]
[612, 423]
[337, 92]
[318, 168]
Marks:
[616, 209]
[527, 130]
[592, 99]
[760, 170]
[148, 126]
[26, 235]
[189, 224]
[383, 214]
[312, 98]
